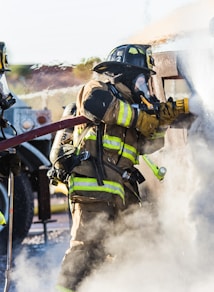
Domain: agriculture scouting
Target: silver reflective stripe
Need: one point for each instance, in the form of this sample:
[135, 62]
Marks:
[111, 142]
[90, 184]
[115, 143]
[130, 153]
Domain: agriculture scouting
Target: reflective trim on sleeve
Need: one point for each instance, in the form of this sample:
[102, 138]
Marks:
[91, 185]
[125, 114]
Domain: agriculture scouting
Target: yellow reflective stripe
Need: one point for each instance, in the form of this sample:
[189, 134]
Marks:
[125, 114]
[90, 137]
[63, 289]
[90, 184]
[115, 143]
[130, 153]
[158, 135]
[111, 142]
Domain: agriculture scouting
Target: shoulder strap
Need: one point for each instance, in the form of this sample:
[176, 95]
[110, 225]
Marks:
[115, 92]
[99, 146]
[84, 132]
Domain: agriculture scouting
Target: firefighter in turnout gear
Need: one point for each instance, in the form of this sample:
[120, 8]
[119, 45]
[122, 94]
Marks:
[8, 161]
[97, 161]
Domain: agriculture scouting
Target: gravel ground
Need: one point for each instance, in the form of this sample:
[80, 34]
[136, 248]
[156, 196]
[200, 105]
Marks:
[36, 262]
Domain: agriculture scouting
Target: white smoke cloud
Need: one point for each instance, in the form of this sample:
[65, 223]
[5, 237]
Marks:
[172, 249]
[156, 249]
[38, 271]
[169, 248]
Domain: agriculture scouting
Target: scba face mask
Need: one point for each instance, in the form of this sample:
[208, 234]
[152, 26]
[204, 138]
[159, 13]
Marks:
[140, 86]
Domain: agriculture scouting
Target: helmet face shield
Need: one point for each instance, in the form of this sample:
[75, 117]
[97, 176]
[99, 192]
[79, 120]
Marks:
[140, 86]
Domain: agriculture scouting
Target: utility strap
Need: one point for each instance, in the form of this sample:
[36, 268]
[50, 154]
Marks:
[99, 145]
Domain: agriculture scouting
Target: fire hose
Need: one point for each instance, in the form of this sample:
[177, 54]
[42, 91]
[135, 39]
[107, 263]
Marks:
[53, 127]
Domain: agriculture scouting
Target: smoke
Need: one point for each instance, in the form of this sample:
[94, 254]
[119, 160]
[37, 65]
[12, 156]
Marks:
[157, 249]
[202, 142]
[170, 247]
[36, 267]
[169, 251]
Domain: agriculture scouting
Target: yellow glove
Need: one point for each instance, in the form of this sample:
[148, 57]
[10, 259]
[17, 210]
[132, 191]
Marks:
[168, 113]
[146, 124]
[170, 110]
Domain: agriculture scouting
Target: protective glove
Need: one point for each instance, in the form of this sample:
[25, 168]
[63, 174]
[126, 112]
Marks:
[167, 113]
[10, 162]
[146, 124]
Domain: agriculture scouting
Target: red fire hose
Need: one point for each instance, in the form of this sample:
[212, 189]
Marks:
[51, 128]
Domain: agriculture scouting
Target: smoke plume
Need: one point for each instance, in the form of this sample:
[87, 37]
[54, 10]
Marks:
[171, 248]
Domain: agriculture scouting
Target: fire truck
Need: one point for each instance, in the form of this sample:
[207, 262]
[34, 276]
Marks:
[32, 182]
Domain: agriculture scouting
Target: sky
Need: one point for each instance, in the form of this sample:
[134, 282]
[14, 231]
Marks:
[46, 31]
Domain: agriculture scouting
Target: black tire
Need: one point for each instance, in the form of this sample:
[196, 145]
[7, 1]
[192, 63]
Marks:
[23, 210]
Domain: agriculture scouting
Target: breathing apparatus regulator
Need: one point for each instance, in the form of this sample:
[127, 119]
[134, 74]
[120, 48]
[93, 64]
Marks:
[151, 104]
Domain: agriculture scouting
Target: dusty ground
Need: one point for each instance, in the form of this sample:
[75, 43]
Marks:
[35, 249]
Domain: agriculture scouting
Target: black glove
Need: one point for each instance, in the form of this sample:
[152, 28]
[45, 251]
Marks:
[10, 162]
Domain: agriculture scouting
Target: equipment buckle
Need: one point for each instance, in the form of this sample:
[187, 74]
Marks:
[84, 155]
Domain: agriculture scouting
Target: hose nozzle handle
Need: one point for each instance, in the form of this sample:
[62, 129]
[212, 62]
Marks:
[182, 105]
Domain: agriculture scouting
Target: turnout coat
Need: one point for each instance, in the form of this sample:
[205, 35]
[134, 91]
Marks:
[112, 142]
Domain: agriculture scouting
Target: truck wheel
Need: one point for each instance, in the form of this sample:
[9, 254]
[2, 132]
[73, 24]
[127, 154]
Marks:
[23, 210]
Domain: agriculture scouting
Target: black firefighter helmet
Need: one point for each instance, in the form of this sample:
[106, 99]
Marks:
[126, 59]
[131, 65]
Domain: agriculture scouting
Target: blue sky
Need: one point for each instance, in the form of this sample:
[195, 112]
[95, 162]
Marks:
[45, 31]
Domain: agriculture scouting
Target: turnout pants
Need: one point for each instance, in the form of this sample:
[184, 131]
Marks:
[92, 224]
[86, 250]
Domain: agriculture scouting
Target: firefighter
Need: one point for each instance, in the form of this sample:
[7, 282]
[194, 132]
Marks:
[8, 161]
[102, 180]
